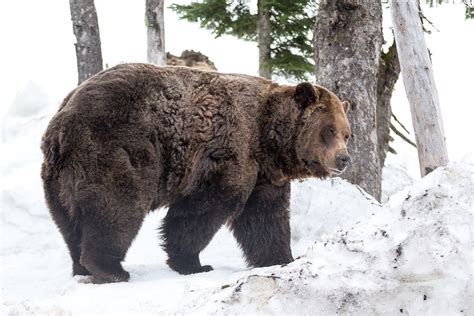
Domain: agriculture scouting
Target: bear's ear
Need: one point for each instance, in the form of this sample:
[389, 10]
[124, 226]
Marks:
[305, 94]
[346, 105]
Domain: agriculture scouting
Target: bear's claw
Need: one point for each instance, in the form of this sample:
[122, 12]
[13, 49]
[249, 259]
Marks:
[193, 270]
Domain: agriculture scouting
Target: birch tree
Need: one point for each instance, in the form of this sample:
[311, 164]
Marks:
[154, 17]
[419, 84]
[347, 43]
[86, 30]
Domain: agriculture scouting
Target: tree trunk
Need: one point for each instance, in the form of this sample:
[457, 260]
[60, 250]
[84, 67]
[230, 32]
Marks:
[389, 71]
[86, 30]
[154, 15]
[348, 42]
[419, 85]
[264, 39]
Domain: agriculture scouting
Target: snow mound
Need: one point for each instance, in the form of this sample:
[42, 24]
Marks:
[413, 256]
[395, 177]
[27, 109]
[320, 208]
[355, 256]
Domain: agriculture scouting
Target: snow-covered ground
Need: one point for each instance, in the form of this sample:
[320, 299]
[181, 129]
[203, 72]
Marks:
[411, 255]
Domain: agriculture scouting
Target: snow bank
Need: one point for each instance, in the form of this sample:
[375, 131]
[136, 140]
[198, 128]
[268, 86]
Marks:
[412, 256]
[320, 208]
[26, 111]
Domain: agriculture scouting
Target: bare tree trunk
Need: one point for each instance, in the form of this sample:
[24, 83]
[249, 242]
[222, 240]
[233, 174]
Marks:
[264, 40]
[154, 15]
[419, 85]
[348, 41]
[389, 71]
[86, 30]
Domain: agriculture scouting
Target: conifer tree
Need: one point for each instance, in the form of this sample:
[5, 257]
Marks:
[283, 27]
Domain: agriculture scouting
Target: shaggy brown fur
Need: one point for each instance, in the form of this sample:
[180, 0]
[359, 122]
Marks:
[215, 148]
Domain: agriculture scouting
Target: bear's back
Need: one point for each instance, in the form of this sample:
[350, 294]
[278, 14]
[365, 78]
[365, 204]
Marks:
[131, 109]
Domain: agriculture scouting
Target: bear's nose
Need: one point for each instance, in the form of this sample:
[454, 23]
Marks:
[342, 161]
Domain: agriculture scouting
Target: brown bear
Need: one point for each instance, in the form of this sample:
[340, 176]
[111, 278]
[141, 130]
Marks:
[215, 148]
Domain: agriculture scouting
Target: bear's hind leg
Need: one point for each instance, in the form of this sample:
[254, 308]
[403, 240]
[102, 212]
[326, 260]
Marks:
[68, 226]
[106, 236]
[263, 228]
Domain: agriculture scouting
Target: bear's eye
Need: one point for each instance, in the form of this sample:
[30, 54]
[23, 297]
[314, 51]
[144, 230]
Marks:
[346, 137]
[330, 131]
[328, 134]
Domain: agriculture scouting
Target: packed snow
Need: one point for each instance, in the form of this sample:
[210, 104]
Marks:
[412, 254]
[354, 255]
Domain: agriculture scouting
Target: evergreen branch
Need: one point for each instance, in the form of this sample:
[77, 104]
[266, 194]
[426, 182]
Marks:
[292, 23]
[400, 123]
[396, 131]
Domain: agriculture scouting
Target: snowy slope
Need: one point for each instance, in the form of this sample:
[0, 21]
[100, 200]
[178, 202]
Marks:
[412, 254]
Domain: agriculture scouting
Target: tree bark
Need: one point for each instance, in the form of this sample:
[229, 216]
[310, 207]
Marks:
[348, 42]
[86, 30]
[154, 15]
[389, 71]
[419, 85]
[264, 40]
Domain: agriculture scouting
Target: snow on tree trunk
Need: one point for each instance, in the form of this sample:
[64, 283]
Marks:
[419, 85]
[86, 30]
[154, 16]
[348, 42]
[264, 40]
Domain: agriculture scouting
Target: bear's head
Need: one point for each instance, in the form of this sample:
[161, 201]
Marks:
[321, 143]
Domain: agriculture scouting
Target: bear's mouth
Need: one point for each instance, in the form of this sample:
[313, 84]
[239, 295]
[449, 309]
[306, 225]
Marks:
[315, 168]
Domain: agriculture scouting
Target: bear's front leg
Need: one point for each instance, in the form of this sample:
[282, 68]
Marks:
[187, 229]
[192, 221]
[263, 229]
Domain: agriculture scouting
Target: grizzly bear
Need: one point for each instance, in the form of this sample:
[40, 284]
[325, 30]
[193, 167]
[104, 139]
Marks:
[214, 148]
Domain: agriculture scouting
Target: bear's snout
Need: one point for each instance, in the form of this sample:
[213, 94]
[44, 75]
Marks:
[342, 161]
